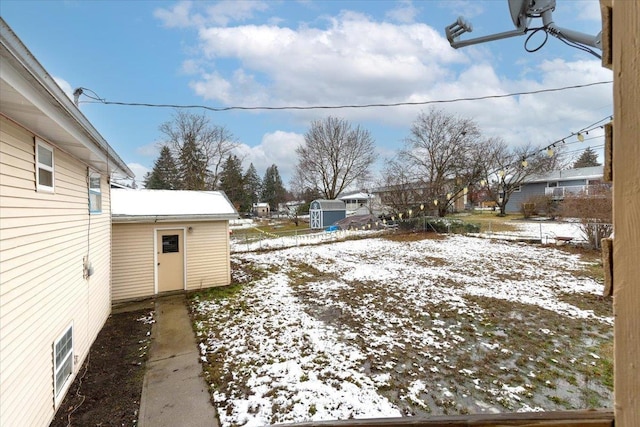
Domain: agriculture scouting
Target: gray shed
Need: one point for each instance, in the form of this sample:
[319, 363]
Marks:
[323, 213]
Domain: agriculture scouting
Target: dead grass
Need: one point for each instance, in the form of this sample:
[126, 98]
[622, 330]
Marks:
[502, 343]
[399, 236]
[491, 222]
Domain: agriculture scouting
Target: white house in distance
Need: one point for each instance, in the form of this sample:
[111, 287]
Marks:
[55, 237]
[169, 240]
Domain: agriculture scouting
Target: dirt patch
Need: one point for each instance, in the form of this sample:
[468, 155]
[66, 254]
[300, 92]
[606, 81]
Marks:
[107, 390]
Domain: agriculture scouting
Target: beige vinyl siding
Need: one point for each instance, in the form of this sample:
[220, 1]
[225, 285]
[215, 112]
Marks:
[133, 269]
[133, 261]
[208, 255]
[43, 239]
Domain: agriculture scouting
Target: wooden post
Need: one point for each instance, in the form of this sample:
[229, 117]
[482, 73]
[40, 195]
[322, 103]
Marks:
[621, 27]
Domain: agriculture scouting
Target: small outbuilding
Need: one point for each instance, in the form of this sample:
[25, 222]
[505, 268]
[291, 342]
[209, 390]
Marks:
[261, 210]
[169, 240]
[323, 213]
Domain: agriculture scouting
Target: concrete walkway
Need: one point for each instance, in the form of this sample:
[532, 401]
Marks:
[174, 392]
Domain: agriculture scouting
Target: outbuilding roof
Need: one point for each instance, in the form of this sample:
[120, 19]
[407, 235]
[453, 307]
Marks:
[169, 205]
[330, 205]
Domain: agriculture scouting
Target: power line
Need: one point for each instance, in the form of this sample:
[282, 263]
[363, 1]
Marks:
[98, 100]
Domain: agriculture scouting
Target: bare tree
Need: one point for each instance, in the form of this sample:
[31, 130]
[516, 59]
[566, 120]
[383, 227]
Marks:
[398, 189]
[334, 155]
[506, 168]
[439, 153]
[192, 137]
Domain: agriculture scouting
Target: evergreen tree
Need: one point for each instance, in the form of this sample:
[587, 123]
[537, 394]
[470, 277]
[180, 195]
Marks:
[232, 182]
[164, 175]
[193, 165]
[273, 191]
[586, 159]
[252, 188]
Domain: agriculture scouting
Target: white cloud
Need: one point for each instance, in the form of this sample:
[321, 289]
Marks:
[405, 12]
[149, 150]
[184, 13]
[467, 8]
[179, 16]
[65, 86]
[140, 171]
[353, 60]
[589, 10]
[277, 148]
[224, 12]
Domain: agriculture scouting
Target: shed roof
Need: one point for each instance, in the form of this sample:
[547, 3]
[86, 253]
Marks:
[330, 205]
[592, 172]
[169, 205]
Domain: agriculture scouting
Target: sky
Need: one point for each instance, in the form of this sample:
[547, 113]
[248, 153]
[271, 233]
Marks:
[312, 53]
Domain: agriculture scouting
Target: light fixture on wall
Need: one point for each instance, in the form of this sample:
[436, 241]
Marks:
[190, 229]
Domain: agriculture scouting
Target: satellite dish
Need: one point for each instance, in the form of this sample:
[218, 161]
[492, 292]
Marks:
[522, 12]
[518, 9]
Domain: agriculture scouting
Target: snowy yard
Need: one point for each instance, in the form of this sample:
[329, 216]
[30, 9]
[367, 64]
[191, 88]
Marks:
[378, 327]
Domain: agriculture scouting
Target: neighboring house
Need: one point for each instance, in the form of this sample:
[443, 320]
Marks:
[55, 237]
[354, 201]
[556, 184]
[261, 210]
[290, 208]
[413, 195]
[169, 240]
[323, 213]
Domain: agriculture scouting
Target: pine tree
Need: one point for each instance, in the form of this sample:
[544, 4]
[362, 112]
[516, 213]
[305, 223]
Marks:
[232, 182]
[587, 158]
[164, 175]
[273, 192]
[193, 166]
[252, 188]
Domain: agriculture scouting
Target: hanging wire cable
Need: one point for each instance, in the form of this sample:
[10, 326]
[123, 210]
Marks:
[99, 100]
[534, 31]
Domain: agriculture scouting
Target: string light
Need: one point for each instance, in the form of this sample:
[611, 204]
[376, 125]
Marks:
[580, 137]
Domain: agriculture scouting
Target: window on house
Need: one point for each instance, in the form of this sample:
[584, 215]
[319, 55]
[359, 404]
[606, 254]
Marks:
[44, 167]
[552, 184]
[62, 361]
[95, 194]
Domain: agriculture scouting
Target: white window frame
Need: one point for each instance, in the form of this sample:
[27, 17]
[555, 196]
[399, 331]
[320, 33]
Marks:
[66, 362]
[97, 192]
[44, 166]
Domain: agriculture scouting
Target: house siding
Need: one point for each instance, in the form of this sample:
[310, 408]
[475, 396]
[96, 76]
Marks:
[43, 239]
[207, 253]
[526, 192]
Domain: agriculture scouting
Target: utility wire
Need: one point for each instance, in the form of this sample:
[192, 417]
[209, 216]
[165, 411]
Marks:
[98, 100]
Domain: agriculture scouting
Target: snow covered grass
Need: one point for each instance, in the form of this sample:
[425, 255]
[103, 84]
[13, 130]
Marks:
[383, 327]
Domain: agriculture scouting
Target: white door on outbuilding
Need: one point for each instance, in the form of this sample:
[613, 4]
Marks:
[315, 218]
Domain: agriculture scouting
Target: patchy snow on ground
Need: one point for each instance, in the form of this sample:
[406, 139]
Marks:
[546, 232]
[380, 328]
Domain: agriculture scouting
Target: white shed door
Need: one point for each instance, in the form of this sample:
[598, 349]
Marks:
[315, 218]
